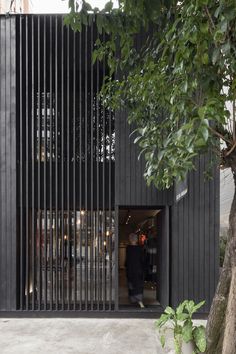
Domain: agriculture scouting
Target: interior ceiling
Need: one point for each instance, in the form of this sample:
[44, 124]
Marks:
[137, 216]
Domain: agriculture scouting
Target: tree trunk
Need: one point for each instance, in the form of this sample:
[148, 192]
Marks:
[221, 321]
[229, 343]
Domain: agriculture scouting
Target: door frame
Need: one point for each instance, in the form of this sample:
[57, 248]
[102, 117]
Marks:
[166, 209]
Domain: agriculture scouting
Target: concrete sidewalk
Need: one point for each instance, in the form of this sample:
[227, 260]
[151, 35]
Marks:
[84, 336]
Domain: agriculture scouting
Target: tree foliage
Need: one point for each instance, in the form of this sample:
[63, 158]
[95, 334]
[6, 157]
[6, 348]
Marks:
[179, 85]
[176, 84]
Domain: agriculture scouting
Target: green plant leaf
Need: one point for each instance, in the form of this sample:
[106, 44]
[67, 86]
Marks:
[187, 331]
[162, 320]
[197, 306]
[108, 6]
[205, 133]
[163, 341]
[169, 310]
[200, 338]
[182, 316]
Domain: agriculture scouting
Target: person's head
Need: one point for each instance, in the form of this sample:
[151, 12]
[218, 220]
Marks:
[133, 239]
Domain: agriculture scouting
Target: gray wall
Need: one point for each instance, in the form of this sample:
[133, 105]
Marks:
[7, 164]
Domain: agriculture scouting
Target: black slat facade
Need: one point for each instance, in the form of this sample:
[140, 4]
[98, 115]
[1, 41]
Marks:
[65, 170]
[194, 220]
[66, 167]
[7, 164]
[195, 239]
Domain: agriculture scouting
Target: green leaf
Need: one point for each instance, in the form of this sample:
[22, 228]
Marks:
[163, 341]
[225, 48]
[162, 320]
[180, 308]
[187, 331]
[204, 27]
[200, 338]
[141, 152]
[218, 36]
[201, 112]
[205, 59]
[169, 310]
[205, 133]
[203, 2]
[137, 139]
[215, 55]
[71, 5]
[223, 26]
[99, 23]
[160, 155]
[108, 6]
[94, 56]
[87, 7]
[200, 143]
[197, 306]
[182, 316]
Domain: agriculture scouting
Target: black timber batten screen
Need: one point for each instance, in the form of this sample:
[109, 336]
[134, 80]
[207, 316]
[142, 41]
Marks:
[65, 169]
[58, 203]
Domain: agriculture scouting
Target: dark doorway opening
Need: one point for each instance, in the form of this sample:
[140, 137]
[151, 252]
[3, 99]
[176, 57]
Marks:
[151, 227]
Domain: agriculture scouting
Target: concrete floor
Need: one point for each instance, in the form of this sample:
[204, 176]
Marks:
[84, 336]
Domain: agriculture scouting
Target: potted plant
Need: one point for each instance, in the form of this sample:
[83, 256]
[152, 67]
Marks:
[188, 338]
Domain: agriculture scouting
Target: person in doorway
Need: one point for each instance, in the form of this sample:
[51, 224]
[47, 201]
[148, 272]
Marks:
[135, 265]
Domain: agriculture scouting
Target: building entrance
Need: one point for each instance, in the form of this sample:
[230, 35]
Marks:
[150, 226]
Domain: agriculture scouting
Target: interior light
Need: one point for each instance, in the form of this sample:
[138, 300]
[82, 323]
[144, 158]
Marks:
[128, 219]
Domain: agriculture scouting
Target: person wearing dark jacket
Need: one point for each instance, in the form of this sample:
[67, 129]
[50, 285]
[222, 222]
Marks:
[135, 265]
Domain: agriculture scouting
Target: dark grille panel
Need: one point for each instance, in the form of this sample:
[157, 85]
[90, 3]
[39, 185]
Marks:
[65, 170]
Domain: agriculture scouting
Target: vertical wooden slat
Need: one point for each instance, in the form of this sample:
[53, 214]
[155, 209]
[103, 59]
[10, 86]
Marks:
[9, 151]
[116, 258]
[98, 191]
[7, 161]
[39, 170]
[21, 173]
[103, 195]
[27, 160]
[45, 159]
[80, 169]
[33, 165]
[91, 175]
[13, 111]
[62, 164]
[68, 169]
[109, 239]
[86, 164]
[190, 232]
[74, 169]
[56, 168]
[205, 238]
[50, 163]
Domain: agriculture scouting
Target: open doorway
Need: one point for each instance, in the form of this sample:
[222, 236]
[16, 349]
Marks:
[150, 225]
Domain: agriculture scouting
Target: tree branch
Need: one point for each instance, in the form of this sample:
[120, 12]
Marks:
[231, 150]
[210, 18]
[215, 132]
